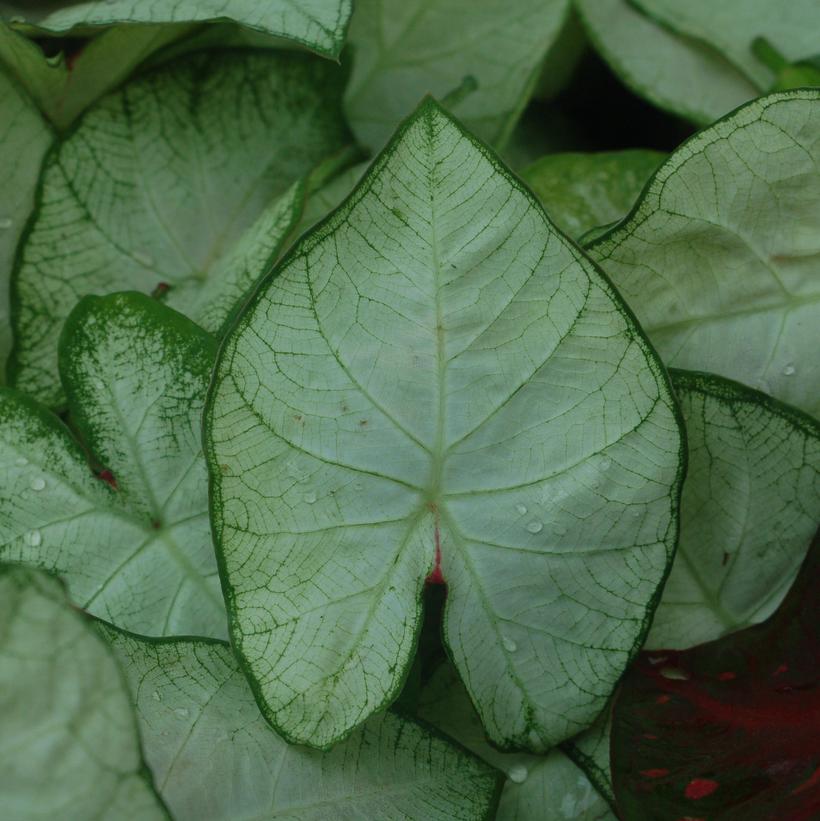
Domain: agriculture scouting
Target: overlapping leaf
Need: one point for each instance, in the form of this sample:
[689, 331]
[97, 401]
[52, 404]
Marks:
[174, 179]
[724, 245]
[132, 542]
[437, 379]
[69, 745]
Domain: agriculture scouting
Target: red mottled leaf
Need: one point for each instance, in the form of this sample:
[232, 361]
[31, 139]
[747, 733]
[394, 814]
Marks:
[728, 730]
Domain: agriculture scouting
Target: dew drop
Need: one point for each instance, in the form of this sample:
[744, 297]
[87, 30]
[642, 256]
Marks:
[156, 695]
[509, 645]
[535, 527]
[789, 370]
[310, 497]
[674, 673]
[143, 259]
[38, 483]
[33, 538]
[21, 461]
[518, 774]
[559, 530]
[5, 223]
[606, 463]
[182, 712]
[521, 509]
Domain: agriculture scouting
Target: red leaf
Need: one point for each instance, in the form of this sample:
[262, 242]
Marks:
[729, 730]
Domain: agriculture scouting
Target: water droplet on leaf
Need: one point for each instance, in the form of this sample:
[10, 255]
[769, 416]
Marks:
[535, 527]
[310, 497]
[518, 774]
[789, 370]
[38, 483]
[509, 645]
[182, 712]
[33, 538]
[521, 509]
[559, 530]
[358, 486]
[156, 695]
[674, 673]
[21, 461]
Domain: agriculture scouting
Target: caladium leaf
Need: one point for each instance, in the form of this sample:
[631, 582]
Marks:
[676, 73]
[732, 26]
[316, 24]
[583, 191]
[727, 730]
[403, 50]
[537, 787]
[214, 756]
[750, 506]
[69, 744]
[24, 138]
[436, 381]
[132, 542]
[590, 751]
[724, 244]
[166, 181]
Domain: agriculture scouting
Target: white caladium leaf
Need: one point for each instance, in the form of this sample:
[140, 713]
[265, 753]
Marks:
[749, 510]
[590, 751]
[316, 24]
[406, 49]
[437, 381]
[724, 246]
[69, 744]
[537, 787]
[731, 27]
[25, 138]
[165, 182]
[676, 73]
[133, 542]
[583, 191]
[214, 756]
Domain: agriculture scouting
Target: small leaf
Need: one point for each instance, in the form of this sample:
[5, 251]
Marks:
[215, 757]
[583, 191]
[750, 506]
[435, 379]
[69, 745]
[724, 245]
[173, 179]
[727, 730]
[132, 542]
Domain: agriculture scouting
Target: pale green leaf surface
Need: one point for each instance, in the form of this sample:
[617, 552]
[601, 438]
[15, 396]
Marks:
[537, 787]
[24, 138]
[330, 196]
[719, 259]
[69, 744]
[435, 364]
[141, 556]
[749, 510]
[583, 191]
[731, 26]
[317, 24]
[404, 49]
[673, 72]
[590, 751]
[166, 181]
[214, 756]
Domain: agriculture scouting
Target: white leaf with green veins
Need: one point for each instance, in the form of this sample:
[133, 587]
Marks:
[69, 744]
[166, 181]
[731, 26]
[590, 751]
[719, 259]
[435, 369]
[673, 72]
[24, 140]
[749, 510]
[537, 787]
[404, 50]
[317, 24]
[214, 756]
[583, 191]
[140, 555]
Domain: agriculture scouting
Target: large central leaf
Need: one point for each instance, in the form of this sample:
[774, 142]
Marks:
[438, 381]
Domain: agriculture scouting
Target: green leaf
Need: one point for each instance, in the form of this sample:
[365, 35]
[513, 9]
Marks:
[24, 138]
[139, 555]
[750, 507]
[590, 751]
[316, 24]
[404, 50]
[214, 756]
[537, 787]
[731, 27]
[169, 180]
[787, 75]
[330, 196]
[719, 258]
[582, 191]
[673, 72]
[69, 746]
[436, 370]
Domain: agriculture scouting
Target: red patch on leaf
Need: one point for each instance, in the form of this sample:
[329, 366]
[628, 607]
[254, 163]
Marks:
[437, 577]
[655, 773]
[108, 477]
[738, 738]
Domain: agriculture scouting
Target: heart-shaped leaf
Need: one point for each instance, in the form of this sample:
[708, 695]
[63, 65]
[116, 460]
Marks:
[166, 181]
[69, 745]
[406, 48]
[727, 730]
[724, 245]
[436, 381]
[214, 756]
[133, 542]
[676, 73]
[750, 506]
